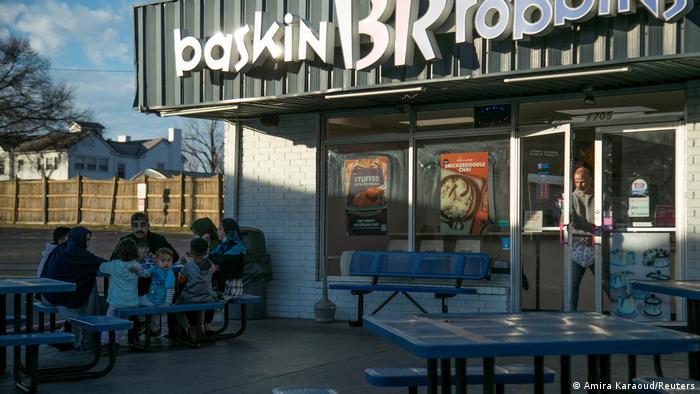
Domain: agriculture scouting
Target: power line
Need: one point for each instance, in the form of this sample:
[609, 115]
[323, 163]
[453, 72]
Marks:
[89, 70]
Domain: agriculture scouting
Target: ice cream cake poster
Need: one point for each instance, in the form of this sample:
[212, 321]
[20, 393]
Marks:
[463, 192]
[639, 256]
[365, 185]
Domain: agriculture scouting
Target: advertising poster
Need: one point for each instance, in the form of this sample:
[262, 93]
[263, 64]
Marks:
[364, 184]
[463, 192]
[642, 256]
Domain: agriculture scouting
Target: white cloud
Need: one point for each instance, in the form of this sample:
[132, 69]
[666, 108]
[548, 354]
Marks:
[112, 98]
[53, 26]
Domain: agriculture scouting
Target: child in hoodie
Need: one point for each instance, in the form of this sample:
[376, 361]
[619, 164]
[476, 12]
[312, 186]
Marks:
[196, 276]
[123, 280]
[162, 286]
[60, 235]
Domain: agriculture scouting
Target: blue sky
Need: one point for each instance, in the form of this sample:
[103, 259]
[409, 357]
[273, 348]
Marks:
[88, 35]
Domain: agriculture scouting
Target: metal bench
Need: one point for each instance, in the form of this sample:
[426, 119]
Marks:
[663, 385]
[149, 311]
[32, 342]
[95, 325]
[418, 377]
[43, 310]
[450, 268]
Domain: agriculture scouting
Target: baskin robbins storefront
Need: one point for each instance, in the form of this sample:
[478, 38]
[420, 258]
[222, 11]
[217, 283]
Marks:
[490, 126]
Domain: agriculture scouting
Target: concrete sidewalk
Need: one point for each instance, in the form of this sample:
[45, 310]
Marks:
[279, 352]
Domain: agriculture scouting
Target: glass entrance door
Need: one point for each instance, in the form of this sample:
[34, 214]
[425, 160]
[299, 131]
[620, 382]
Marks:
[545, 185]
[635, 216]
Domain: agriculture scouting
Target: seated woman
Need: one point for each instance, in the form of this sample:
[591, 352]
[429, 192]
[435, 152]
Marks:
[206, 229]
[228, 256]
[72, 262]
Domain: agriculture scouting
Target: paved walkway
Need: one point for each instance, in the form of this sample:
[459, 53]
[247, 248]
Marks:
[277, 352]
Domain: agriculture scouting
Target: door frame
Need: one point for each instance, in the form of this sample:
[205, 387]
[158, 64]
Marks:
[517, 206]
[680, 206]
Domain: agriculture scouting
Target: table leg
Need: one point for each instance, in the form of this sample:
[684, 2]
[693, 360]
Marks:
[489, 375]
[631, 368]
[432, 376]
[3, 331]
[593, 370]
[565, 382]
[539, 374]
[461, 375]
[17, 350]
[445, 376]
[693, 316]
[29, 311]
[605, 368]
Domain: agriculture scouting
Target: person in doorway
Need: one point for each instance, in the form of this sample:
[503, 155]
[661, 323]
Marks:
[60, 235]
[583, 217]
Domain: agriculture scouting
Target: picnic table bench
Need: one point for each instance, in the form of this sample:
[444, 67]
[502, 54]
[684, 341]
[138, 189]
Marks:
[418, 377]
[446, 272]
[149, 311]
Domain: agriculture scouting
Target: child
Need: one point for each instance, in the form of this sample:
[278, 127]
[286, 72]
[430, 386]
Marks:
[197, 279]
[162, 286]
[123, 280]
[60, 235]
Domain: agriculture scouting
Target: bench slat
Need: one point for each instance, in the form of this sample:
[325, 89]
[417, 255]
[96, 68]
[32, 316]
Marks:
[175, 308]
[504, 374]
[465, 266]
[101, 323]
[245, 299]
[46, 338]
[402, 287]
[40, 307]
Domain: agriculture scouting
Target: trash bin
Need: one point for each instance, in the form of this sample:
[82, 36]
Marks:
[257, 271]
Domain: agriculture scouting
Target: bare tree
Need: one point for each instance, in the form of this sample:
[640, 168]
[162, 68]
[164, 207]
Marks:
[203, 146]
[30, 103]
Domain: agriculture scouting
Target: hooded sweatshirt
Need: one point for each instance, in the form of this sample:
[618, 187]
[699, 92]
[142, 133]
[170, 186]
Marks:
[45, 255]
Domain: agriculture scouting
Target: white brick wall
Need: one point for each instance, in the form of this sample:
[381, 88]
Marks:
[277, 194]
[692, 189]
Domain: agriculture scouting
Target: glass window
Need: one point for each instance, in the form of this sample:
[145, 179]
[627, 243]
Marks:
[357, 126]
[104, 165]
[56, 161]
[79, 163]
[121, 170]
[463, 195]
[20, 165]
[39, 165]
[49, 163]
[91, 163]
[639, 178]
[366, 198]
[448, 119]
[2, 166]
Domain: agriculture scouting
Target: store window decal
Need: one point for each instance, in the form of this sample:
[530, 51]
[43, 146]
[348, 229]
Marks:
[365, 186]
[463, 192]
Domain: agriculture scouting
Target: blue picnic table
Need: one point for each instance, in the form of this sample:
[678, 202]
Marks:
[447, 337]
[27, 287]
[689, 289]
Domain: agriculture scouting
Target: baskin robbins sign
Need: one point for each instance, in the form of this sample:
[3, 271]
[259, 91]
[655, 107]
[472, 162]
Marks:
[297, 40]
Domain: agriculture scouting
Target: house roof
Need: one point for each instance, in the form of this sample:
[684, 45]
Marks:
[134, 148]
[90, 125]
[58, 140]
[162, 174]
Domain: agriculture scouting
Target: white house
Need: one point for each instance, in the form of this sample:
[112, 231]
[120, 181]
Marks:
[82, 150]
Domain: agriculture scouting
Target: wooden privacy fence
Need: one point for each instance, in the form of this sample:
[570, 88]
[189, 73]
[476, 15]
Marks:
[175, 201]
